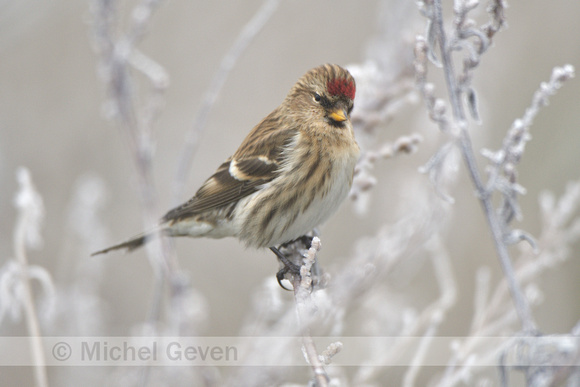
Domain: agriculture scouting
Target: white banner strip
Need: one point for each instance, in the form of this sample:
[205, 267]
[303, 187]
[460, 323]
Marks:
[287, 351]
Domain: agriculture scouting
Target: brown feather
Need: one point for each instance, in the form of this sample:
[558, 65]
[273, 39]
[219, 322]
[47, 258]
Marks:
[257, 161]
[218, 191]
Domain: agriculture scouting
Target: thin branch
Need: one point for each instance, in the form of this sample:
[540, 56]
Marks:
[119, 57]
[230, 59]
[304, 308]
[420, 354]
[28, 202]
[493, 314]
[464, 142]
[427, 323]
[363, 179]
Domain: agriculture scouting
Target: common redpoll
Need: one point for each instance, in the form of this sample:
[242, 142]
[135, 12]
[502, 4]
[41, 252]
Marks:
[288, 176]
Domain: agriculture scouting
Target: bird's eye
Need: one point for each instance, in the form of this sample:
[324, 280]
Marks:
[317, 97]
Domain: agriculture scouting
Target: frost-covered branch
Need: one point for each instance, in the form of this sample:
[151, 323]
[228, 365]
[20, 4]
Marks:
[364, 180]
[503, 168]
[465, 37]
[494, 314]
[385, 88]
[27, 234]
[305, 308]
[119, 56]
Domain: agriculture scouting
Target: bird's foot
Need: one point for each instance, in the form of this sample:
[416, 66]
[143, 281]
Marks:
[305, 240]
[294, 251]
[289, 267]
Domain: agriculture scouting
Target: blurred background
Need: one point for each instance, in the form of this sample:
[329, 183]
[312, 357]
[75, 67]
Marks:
[52, 121]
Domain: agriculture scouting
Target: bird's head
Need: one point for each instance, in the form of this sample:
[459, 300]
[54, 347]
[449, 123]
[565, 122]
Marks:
[324, 93]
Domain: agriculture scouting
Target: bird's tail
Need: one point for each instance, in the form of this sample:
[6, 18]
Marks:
[132, 244]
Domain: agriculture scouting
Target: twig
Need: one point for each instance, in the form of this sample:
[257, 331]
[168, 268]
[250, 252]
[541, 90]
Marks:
[421, 352]
[493, 315]
[464, 142]
[427, 323]
[434, 314]
[247, 34]
[363, 179]
[28, 202]
[304, 308]
[118, 57]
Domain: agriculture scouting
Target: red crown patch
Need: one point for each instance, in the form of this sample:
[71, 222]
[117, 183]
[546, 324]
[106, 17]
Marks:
[341, 86]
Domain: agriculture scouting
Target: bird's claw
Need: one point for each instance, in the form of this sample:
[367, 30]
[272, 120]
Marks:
[282, 275]
[289, 267]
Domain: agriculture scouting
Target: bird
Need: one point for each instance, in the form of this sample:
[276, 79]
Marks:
[288, 176]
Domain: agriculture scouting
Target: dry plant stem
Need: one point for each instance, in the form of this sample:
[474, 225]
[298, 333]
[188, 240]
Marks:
[117, 57]
[436, 312]
[416, 364]
[427, 323]
[521, 304]
[304, 308]
[245, 37]
[32, 324]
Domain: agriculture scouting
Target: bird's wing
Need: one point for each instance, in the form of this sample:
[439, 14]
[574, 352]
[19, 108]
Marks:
[255, 163]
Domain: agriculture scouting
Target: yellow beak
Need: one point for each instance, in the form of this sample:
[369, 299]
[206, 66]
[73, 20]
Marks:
[338, 115]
